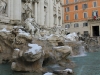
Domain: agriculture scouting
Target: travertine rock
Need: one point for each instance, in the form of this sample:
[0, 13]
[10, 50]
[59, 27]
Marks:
[62, 52]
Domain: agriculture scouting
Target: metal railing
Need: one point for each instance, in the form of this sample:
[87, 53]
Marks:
[91, 18]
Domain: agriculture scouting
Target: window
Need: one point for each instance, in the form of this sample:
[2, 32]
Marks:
[76, 7]
[67, 1]
[67, 26]
[75, 0]
[67, 17]
[95, 14]
[76, 25]
[86, 33]
[76, 16]
[94, 4]
[85, 15]
[85, 24]
[84, 6]
[67, 9]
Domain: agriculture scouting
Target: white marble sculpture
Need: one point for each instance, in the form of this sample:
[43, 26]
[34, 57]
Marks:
[3, 6]
[28, 8]
[28, 25]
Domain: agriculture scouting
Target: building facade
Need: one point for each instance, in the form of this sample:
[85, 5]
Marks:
[82, 16]
[45, 12]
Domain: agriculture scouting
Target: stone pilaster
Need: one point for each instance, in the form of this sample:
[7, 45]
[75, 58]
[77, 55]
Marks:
[37, 6]
[15, 11]
[39, 12]
[51, 13]
[61, 15]
[42, 12]
[57, 13]
[48, 13]
[36, 11]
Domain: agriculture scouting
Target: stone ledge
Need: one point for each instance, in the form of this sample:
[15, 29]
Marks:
[4, 19]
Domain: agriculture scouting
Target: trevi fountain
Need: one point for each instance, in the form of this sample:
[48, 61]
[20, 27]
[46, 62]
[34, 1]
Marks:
[27, 48]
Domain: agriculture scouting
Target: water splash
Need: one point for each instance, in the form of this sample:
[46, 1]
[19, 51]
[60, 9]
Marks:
[82, 52]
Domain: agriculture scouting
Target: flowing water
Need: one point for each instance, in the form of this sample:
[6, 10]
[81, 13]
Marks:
[87, 65]
[82, 52]
[5, 69]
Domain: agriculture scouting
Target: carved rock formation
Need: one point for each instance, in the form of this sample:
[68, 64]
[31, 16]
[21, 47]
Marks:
[27, 53]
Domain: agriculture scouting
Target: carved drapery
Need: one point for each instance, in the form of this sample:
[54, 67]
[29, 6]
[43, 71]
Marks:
[4, 11]
[28, 10]
[35, 0]
[3, 7]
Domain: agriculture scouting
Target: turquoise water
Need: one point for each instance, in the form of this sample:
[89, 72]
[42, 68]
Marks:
[87, 65]
[5, 69]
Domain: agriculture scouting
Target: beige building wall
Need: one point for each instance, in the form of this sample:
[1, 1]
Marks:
[80, 29]
[92, 24]
[69, 11]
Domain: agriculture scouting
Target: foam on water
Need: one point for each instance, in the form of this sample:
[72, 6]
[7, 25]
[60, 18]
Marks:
[82, 52]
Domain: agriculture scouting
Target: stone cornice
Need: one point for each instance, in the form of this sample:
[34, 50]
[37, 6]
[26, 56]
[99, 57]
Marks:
[31, 0]
[80, 1]
[58, 1]
[35, 0]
